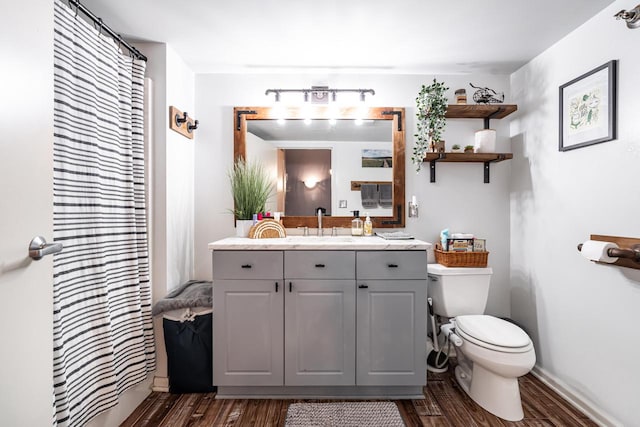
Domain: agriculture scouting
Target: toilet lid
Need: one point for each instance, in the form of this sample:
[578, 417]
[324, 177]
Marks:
[493, 331]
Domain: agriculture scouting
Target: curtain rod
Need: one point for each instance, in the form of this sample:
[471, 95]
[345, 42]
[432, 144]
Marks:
[79, 6]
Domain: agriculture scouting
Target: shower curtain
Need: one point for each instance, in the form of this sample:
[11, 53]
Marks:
[102, 328]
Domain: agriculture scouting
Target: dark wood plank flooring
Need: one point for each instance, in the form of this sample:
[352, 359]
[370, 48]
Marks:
[444, 404]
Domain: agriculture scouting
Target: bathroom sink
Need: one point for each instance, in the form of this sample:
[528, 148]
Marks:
[320, 239]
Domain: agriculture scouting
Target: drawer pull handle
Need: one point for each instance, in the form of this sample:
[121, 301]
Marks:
[392, 265]
[276, 287]
[363, 286]
[320, 265]
[246, 265]
[290, 286]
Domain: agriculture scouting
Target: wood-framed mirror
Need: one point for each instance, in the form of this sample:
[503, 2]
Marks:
[387, 213]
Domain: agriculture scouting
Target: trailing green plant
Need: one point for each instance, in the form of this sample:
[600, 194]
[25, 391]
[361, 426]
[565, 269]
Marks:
[251, 187]
[431, 106]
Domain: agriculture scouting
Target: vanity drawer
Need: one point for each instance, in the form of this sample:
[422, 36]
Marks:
[247, 265]
[319, 264]
[391, 265]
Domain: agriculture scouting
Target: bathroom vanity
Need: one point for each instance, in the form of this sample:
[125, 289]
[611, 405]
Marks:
[319, 317]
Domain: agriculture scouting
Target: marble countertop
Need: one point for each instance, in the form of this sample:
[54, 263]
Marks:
[314, 242]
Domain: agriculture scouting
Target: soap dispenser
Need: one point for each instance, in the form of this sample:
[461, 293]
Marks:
[368, 226]
[356, 224]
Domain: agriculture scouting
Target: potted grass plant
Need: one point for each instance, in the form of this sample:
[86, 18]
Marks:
[251, 187]
[431, 106]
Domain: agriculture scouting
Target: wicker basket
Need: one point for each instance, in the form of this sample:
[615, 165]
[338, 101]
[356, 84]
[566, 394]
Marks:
[460, 259]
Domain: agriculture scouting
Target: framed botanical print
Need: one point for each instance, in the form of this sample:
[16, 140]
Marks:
[588, 108]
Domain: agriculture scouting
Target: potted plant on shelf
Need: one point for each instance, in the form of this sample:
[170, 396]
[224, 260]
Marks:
[456, 148]
[431, 106]
[251, 187]
[468, 148]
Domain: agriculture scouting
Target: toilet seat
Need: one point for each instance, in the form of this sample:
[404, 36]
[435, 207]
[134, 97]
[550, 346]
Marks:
[493, 333]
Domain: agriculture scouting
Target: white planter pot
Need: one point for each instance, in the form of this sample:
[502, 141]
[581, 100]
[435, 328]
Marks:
[243, 226]
[485, 141]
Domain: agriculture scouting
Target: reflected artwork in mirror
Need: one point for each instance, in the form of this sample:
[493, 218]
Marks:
[325, 162]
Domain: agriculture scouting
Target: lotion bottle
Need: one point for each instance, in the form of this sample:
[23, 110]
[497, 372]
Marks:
[368, 226]
[356, 224]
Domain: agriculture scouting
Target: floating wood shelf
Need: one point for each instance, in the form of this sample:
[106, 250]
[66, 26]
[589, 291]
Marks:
[480, 111]
[486, 158]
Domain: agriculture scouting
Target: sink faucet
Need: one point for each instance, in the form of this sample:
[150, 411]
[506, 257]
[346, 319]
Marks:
[319, 211]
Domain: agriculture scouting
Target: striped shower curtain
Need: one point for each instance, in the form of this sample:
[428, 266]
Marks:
[102, 330]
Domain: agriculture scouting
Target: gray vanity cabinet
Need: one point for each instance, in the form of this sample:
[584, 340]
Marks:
[319, 318]
[248, 320]
[345, 322]
[391, 317]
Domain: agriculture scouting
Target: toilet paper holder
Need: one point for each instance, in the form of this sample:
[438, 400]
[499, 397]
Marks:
[633, 253]
[628, 251]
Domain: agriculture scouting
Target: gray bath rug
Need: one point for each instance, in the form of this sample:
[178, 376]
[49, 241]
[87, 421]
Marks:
[344, 414]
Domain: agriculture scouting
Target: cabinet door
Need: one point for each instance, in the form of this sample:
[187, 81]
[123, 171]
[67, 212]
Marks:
[319, 332]
[391, 332]
[247, 332]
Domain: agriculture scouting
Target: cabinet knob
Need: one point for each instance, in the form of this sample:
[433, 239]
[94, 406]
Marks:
[319, 265]
[290, 287]
[363, 286]
[392, 265]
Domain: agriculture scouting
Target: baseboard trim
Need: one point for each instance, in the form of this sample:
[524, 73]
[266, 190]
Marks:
[579, 401]
[160, 384]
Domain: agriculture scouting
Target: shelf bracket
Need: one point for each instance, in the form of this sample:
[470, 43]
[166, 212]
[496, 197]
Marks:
[432, 166]
[486, 167]
[490, 116]
[239, 115]
[395, 113]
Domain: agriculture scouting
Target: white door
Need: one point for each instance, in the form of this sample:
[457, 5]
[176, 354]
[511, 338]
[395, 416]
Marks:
[26, 210]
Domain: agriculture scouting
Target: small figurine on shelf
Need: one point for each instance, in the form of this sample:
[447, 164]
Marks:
[461, 96]
[485, 95]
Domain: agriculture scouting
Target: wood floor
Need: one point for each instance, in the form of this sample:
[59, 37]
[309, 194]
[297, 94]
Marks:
[445, 404]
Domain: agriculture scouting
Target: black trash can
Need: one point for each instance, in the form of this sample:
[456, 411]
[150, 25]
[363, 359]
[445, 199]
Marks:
[189, 353]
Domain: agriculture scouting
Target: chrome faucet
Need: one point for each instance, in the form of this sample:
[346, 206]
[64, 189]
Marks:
[319, 222]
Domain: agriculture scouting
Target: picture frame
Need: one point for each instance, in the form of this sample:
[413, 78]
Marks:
[377, 158]
[588, 108]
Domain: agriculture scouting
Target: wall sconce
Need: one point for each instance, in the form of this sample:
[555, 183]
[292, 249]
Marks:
[632, 17]
[310, 183]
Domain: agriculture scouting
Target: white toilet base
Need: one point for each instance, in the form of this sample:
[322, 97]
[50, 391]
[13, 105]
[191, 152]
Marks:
[496, 394]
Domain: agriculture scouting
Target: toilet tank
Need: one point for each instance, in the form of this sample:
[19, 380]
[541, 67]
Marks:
[457, 291]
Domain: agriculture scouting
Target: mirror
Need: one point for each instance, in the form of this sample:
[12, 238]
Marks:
[353, 155]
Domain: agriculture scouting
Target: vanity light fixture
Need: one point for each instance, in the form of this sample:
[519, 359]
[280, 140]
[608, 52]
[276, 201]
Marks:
[632, 17]
[320, 94]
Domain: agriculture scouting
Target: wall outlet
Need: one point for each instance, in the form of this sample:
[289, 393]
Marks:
[342, 204]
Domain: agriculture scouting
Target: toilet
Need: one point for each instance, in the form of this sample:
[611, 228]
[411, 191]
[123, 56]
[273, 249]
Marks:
[492, 353]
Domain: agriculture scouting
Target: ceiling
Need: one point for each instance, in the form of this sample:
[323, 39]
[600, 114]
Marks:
[355, 36]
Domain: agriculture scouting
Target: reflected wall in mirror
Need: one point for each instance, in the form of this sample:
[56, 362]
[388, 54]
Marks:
[345, 155]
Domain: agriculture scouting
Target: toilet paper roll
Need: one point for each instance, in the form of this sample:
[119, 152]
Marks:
[596, 250]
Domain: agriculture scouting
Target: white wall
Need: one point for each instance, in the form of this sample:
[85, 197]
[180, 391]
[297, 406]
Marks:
[583, 317]
[458, 200]
[26, 210]
[172, 206]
